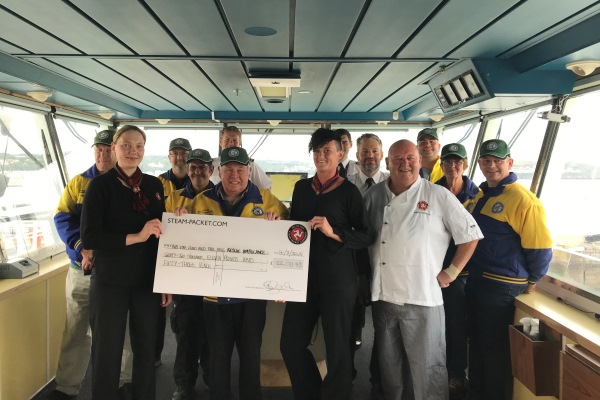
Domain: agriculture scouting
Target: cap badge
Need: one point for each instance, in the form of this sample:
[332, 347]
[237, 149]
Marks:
[179, 141]
[103, 135]
[233, 153]
[453, 147]
[492, 146]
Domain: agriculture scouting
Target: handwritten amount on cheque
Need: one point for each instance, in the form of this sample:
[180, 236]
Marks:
[206, 256]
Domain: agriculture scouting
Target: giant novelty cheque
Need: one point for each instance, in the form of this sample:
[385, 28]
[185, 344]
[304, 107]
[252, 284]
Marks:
[252, 258]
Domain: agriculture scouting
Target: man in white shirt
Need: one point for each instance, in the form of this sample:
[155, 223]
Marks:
[231, 136]
[369, 156]
[346, 167]
[415, 221]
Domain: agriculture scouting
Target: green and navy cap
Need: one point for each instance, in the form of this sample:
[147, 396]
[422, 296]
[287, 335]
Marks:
[199, 155]
[427, 132]
[455, 150]
[180, 143]
[104, 137]
[495, 148]
[236, 155]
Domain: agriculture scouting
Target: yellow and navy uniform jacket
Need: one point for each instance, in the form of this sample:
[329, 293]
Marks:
[67, 216]
[183, 197]
[436, 172]
[470, 190]
[254, 203]
[172, 183]
[517, 247]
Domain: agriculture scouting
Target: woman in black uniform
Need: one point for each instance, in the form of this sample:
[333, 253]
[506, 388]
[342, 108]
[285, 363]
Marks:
[120, 221]
[335, 210]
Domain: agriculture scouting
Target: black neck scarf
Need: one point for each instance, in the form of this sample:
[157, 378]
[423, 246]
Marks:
[140, 201]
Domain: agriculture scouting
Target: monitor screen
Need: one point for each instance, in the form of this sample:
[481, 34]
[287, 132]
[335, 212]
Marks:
[283, 183]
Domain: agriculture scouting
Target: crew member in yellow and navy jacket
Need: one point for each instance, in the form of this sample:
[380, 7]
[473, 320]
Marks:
[230, 321]
[187, 316]
[76, 343]
[176, 178]
[429, 149]
[510, 260]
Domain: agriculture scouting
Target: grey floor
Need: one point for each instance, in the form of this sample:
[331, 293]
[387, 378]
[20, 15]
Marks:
[165, 386]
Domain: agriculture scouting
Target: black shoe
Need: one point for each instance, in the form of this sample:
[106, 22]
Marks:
[58, 395]
[125, 391]
[183, 393]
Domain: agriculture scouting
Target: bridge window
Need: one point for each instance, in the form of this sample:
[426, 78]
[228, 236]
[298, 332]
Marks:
[571, 193]
[30, 186]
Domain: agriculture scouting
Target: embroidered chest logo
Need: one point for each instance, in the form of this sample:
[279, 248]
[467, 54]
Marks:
[498, 208]
[297, 234]
[422, 205]
[257, 211]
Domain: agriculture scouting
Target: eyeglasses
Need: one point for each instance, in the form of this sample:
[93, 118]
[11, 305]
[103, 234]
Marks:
[452, 162]
[200, 168]
[179, 153]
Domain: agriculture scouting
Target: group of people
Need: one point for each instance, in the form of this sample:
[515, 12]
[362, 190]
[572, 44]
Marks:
[439, 259]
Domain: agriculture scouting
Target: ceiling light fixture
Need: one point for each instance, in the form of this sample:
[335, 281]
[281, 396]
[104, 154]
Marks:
[395, 115]
[163, 121]
[39, 96]
[436, 117]
[382, 123]
[304, 91]
[106, 114]
[583, 68]
[274, 122]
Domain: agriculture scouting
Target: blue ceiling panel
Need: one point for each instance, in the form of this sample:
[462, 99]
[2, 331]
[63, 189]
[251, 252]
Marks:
[140, 72]
[510, 35]
[387, 25]
[131, 23]
[188, 76]
[200, 29]
[349, 79]
[233, 82]
[458, 20]
[55, 17]
[386, 83]
[323, 27]
[104, 77]
[314, 78]
[273, 14]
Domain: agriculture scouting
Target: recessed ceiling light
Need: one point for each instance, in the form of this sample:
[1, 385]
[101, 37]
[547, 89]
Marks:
[304, 91]
[260, 31]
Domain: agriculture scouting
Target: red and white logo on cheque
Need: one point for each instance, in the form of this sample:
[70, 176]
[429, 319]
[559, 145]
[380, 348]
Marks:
[422, 205]
[297, 234]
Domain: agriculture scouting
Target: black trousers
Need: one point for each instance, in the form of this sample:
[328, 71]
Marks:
[187, 323]
[109, 305]
[335, 307]
[239, 324]
[160, 333]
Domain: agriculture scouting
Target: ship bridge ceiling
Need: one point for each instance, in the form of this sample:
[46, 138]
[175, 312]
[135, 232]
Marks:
[308, 61]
